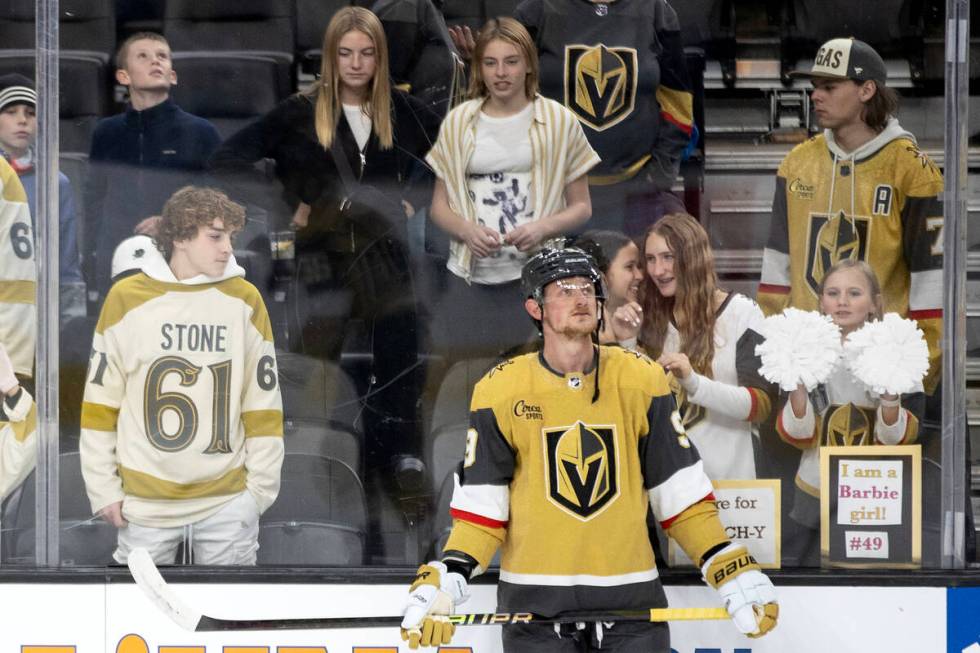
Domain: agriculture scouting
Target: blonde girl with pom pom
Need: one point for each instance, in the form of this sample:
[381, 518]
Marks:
[841, 411]
[706, 338]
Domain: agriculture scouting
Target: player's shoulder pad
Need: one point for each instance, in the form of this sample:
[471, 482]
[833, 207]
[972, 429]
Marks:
[634, 369]
[505, 372]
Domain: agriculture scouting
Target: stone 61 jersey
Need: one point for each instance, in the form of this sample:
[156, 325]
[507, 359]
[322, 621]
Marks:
[180, 378]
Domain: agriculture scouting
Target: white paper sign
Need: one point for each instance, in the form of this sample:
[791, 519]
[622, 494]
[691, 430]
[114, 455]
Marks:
[749, 510]
[869, 492]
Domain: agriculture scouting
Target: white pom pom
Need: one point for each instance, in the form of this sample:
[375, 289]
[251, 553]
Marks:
[889, 356]
[800, 347]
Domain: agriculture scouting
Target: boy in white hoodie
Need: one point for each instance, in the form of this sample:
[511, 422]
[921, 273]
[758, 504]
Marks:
[860, 190]
[182, 418]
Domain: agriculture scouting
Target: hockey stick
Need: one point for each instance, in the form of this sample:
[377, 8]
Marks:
[148, 578]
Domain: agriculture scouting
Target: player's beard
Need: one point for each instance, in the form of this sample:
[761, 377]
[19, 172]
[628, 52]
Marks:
[577, 329]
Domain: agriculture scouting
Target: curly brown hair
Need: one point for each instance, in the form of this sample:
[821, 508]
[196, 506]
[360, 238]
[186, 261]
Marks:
[190, 209]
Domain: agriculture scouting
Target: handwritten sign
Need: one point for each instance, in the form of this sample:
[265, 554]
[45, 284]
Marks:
[871, 506]
[749, 510]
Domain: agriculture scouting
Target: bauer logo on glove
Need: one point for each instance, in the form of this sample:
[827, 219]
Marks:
[433, 596]
[748, 594]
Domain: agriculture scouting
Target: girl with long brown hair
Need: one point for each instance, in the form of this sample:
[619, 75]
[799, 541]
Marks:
[706, 337]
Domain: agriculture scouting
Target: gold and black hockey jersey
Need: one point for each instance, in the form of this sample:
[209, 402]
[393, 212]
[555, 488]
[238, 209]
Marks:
[619, 67]
[567, 481]
[882, 206]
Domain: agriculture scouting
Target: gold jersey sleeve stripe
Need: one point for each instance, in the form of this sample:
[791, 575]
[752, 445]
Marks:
[262, 423]
[18, 292]
[619, 177]
[144, 485]
[99, 417]
[27, 426]
[13, 190]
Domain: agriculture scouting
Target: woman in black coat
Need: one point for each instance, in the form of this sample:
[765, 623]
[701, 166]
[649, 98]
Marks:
[349, 153]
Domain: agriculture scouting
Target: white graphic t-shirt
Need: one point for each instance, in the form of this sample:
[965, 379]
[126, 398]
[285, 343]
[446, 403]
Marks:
[499, 180]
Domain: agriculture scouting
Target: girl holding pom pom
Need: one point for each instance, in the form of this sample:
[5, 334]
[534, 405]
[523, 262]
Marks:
[842, 411]
[706, 337]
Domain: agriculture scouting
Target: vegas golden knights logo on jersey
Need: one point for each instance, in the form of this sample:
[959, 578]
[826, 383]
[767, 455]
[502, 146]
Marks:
[691, 414]
[831, 240]
[583, 475]
[600, 84]
[848, 426]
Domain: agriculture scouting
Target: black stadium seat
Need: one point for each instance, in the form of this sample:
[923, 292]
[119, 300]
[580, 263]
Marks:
[319, 518]
[312, 17]
[320, 390]
[84, 92]
[322, 438]
[257, 27]
[446, 435]
[230, 89]
[83, 25]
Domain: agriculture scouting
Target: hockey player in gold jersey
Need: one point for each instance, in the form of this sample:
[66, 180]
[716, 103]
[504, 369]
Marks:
[182, 418]
[566, 450]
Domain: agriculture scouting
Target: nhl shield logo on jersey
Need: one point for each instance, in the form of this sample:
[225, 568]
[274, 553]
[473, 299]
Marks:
[600, 84]
[831, 240]
[848, 426]
[583, 475]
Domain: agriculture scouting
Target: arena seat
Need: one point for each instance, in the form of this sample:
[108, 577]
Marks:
[318, 390]
[230, 89]
[319, 518]
[83, 25]
[312, 17]
[446, 434]
[322, 438]
[83, 96]
[257, 27]
[85, 539]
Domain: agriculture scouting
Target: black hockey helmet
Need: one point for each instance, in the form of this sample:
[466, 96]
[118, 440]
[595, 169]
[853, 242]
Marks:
[553, 264]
